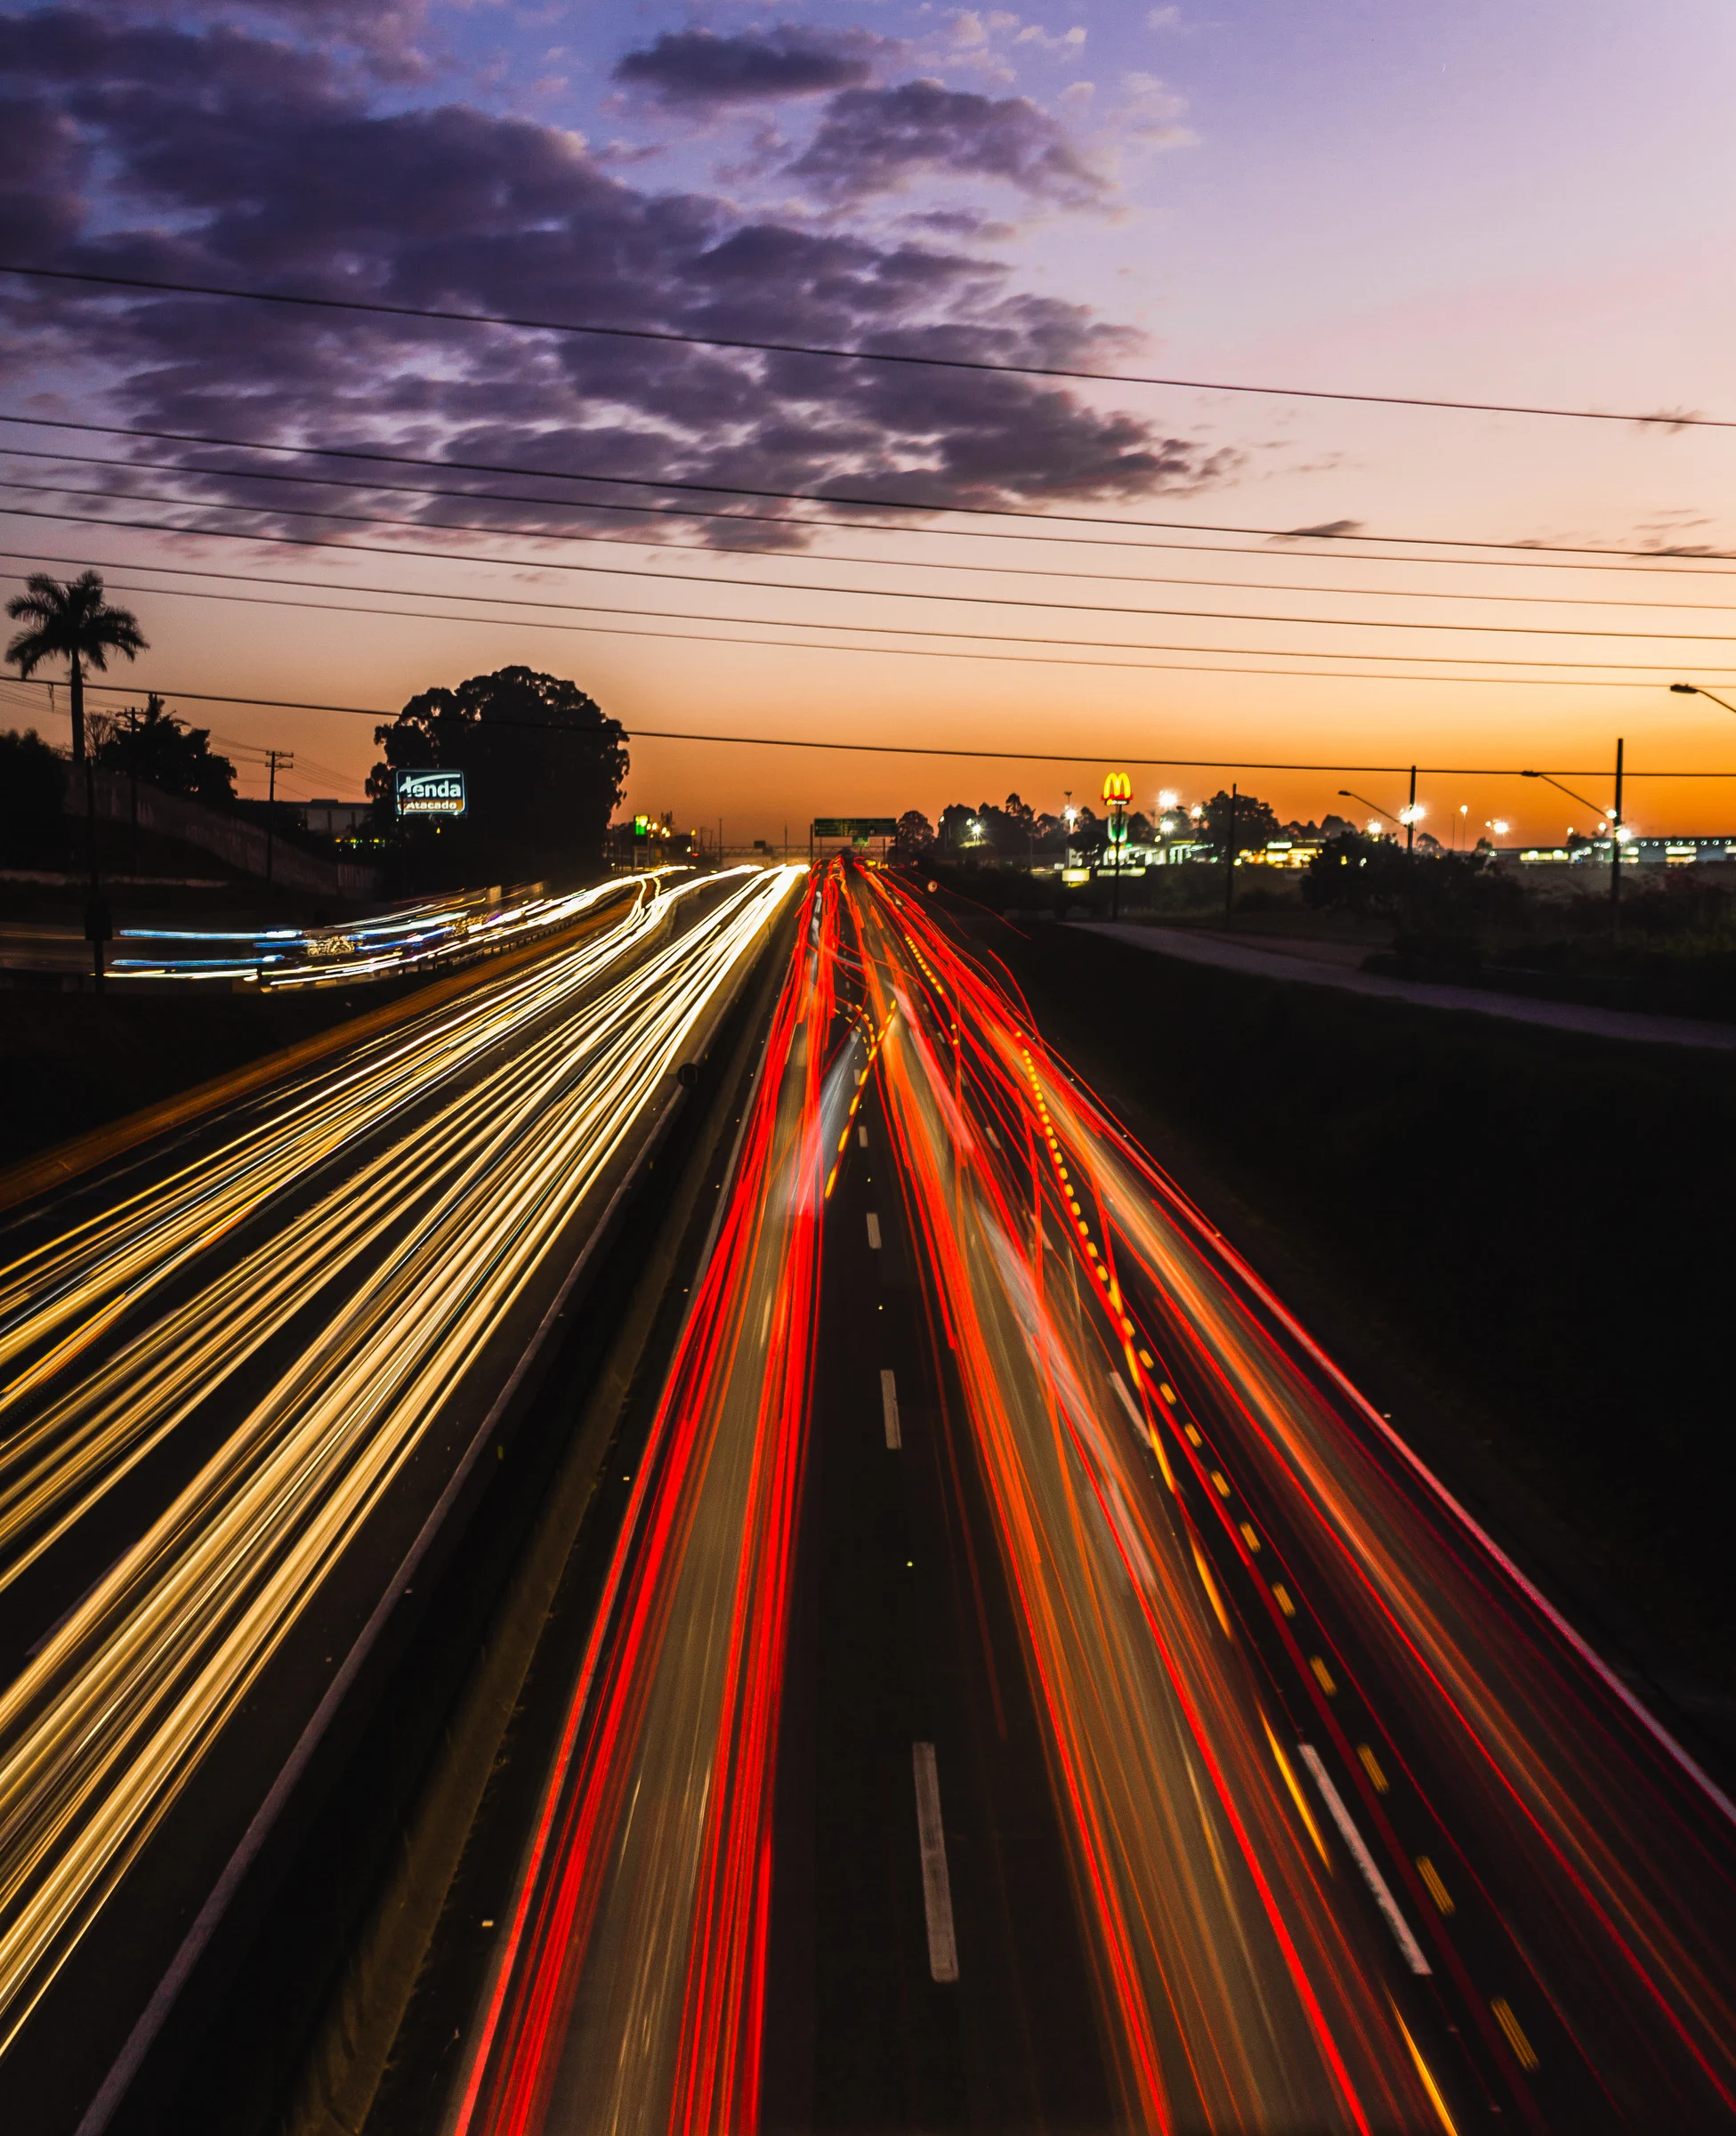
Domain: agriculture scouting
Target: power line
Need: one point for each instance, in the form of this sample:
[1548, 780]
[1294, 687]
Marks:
[908, 652]
[899, 748]
[879, 593]
[1680, 420]
[877, 630]
[782, 550]
[1533, 551]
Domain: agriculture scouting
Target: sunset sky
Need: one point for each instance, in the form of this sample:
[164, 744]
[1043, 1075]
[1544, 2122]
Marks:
[1513, 201]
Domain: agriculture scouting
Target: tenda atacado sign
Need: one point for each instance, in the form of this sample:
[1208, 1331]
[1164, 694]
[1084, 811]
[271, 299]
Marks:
[430, 793]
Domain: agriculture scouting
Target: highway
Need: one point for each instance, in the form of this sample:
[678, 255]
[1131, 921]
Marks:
[238, 1373]
[1032, 1687]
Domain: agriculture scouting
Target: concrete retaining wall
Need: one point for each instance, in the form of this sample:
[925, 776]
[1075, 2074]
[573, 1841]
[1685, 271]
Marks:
[232, 838]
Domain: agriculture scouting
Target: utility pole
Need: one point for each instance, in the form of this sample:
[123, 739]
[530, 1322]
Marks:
[1410, 814]
[1229, 860]
[1615, 850]
[278, 760]
[98, 927]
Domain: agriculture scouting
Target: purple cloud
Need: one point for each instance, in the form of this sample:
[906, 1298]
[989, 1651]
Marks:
[696, 66]
[875, 140]
[230, 160]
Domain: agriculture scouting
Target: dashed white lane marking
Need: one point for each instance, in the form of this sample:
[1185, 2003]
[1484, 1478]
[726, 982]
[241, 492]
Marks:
[1365, 1861]
[888, 1405]
[874, 1230]
[936, 1885]
[861, 1138]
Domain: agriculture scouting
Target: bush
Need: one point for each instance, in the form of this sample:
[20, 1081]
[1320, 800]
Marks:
[1445, 895]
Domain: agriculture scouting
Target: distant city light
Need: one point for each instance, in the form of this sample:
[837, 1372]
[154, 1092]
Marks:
[1499, 825]
[1413, 814]
[1168, 798]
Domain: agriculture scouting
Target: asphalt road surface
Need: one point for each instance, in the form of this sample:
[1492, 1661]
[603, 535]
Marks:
[1034, 1690]
[240, 1374]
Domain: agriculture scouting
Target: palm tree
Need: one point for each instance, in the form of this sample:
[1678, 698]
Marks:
[75, 624]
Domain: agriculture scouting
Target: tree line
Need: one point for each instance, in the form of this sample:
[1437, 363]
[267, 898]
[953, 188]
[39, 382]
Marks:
[1013, 833]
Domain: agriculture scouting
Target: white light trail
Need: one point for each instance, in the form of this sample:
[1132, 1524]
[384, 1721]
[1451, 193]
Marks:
[434, 1240]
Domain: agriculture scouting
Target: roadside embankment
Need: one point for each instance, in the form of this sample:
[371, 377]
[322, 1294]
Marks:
[110, 1070]
[1519, 1239]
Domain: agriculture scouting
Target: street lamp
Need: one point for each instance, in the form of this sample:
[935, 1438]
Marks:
[1344, 794]
[1614, 820]
[1699, 690]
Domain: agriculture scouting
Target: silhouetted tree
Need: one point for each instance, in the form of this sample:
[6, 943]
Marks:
[914, 835]
[153, 745]
[32, 783]
[544, 770]
[70, 622]
[956, 836]
[1257, 821]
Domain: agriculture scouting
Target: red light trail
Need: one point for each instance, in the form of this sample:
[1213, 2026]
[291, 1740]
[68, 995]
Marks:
[630, 1987]
[1362, 1836]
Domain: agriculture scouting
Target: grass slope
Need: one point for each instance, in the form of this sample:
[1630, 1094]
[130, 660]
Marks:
[1535, 1226]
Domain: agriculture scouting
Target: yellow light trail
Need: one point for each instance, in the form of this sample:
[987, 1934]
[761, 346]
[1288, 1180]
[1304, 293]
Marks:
[82, 1279]
[101, 1731]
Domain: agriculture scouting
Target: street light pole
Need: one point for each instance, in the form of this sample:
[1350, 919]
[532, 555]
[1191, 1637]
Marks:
[1229, 860]
[1344, 794]
[1410, 813]
[1699, 690]
[1614, 822]
[98, 927]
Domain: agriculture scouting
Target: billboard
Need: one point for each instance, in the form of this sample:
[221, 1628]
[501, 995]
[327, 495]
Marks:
[430, 793]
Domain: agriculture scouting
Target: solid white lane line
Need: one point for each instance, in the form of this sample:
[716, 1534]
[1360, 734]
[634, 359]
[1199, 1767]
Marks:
[874, 1230]
[936, 1885]
[888, 1405]
[861, 1138]
[1365, 1861]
